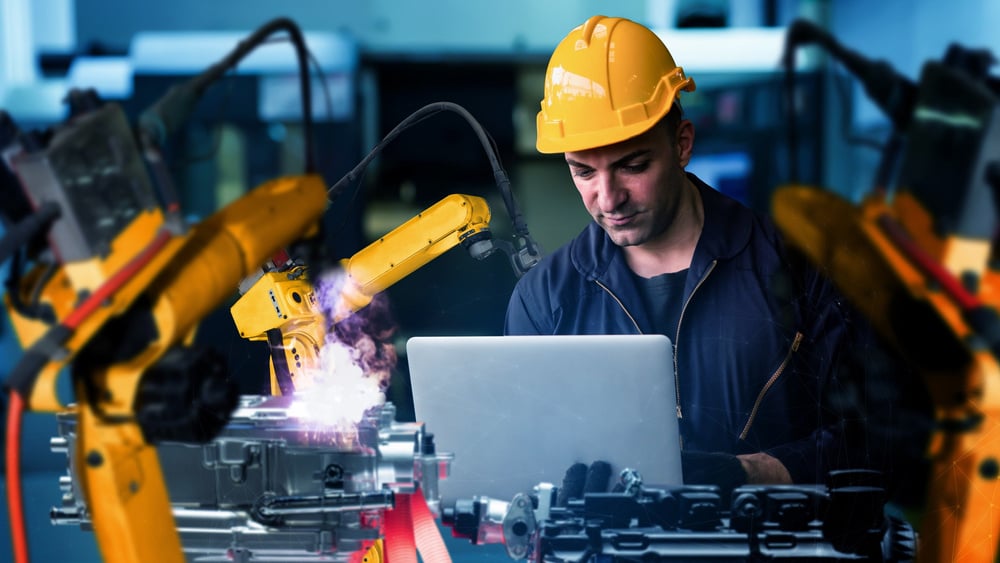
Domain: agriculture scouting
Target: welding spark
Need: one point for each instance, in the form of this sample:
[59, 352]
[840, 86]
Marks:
[341, 393]
[355, 362]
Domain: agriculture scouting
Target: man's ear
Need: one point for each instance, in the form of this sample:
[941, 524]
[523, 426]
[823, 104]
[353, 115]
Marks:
[685, 141]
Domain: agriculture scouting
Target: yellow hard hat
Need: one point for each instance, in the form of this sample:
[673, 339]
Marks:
[609, 80]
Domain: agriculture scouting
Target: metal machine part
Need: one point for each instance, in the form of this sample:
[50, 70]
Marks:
[93, 171]
[278, 306]
[274, 486]
[842, 521]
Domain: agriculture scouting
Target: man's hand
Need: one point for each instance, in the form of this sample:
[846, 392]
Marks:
[762, 469]
[721, 469]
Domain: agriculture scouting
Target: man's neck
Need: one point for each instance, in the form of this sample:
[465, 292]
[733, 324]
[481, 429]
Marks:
[673, 250]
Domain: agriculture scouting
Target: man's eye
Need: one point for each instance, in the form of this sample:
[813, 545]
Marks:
[636, 168]
[583, 172]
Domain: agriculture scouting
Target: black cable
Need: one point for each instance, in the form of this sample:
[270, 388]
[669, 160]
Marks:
[318, 70]
[360, 174]
[12, 247]
[893, 93]
[13, 281]
[359, 170]
[22, 232]
[35, 305]
[164, 117]
[499, 174]
[216, 133]
[282, 373]
[327, 98]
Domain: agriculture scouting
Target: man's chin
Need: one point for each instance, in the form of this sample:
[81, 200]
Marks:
[623, 237]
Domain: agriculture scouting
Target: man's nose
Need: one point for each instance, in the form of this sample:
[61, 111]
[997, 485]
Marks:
[610, 196]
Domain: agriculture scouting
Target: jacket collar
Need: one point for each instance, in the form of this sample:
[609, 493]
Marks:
[725, 233]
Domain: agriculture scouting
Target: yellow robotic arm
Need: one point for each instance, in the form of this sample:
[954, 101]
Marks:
[119, 316]
[115, 457]
[280, 307]
[453, 220]
[119, 289]
[917, 258]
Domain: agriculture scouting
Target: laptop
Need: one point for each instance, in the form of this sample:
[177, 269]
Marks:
[517, 411]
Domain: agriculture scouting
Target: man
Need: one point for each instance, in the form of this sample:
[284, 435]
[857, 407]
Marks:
[755, 338]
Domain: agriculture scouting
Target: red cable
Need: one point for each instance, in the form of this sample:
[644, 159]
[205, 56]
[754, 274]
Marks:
[96, 299]
[932, 268]
[430, 544]
[15, 502]
[410, 528]
[400, 544]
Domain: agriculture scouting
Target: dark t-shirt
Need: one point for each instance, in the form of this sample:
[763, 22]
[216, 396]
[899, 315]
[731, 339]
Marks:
[663, 296]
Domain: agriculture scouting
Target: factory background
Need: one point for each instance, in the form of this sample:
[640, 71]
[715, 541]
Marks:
[379, 61]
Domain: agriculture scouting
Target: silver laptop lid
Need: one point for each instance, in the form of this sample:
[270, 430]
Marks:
[519, 410]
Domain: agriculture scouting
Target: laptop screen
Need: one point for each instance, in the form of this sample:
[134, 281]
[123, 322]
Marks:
[520, 410]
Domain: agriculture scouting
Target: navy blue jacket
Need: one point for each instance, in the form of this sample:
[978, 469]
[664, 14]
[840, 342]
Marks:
[756, 344]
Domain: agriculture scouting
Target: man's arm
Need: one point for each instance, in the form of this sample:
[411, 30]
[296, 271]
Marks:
[521, 317]
[836, 340]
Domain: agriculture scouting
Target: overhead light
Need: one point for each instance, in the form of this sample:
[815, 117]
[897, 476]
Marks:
[190, 52]
[731, 49]
[111, 77]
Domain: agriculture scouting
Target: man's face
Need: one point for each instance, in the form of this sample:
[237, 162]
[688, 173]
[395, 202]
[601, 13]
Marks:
[633, 188]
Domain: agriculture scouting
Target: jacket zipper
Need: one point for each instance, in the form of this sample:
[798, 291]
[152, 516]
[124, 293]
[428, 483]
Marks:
[770, 383]
[677, 381]
[620, 304]
[680, 319]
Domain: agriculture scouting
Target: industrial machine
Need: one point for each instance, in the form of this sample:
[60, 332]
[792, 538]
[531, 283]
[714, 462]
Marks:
[281, 306]
[278, 483]
[115, 298]
[166, 462]
[917, 256]
[843, 520]
[285, 479]
[117, 284]
[109, 283]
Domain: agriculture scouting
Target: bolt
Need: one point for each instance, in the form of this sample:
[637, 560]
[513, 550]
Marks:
[989, 468]
[94, 458]
[333, 475]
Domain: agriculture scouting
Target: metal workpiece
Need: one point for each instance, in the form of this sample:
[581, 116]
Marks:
[841, 521]
[479, 520]
[276, 485]
[519, 527]
[274, 509]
